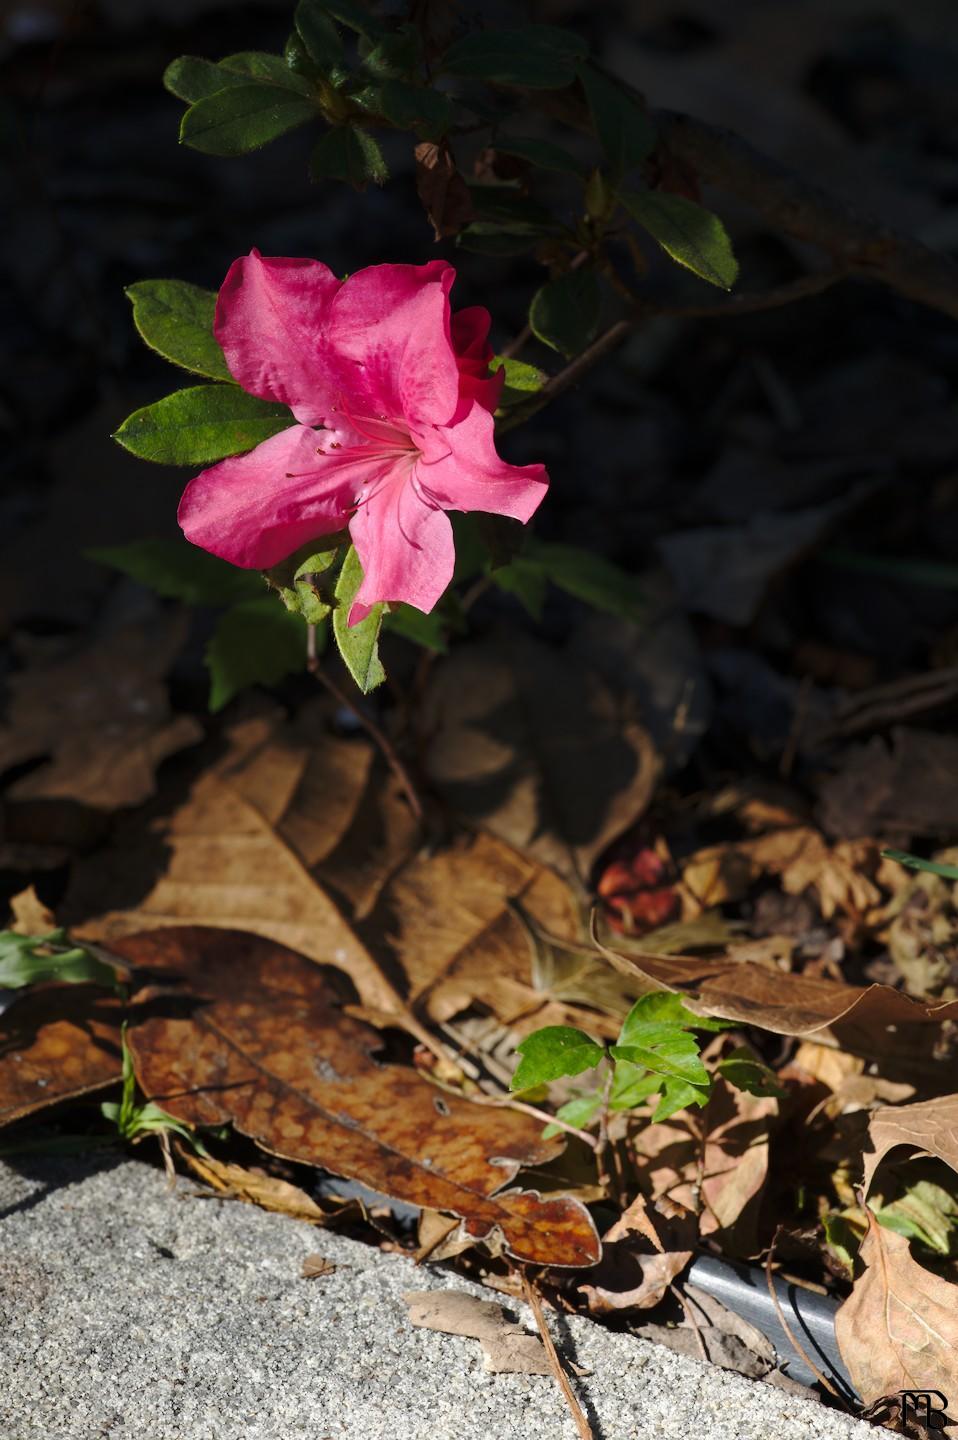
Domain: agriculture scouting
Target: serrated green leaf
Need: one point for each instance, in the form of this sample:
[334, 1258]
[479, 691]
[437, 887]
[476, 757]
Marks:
[201, 424]
[358, 644]
[348, 153]
[677, 1095]
[632, 1085]
[552, 1052]
[429, 631]
[542, 153]
[236, 121]
[323, 41]
[302, 582]
[565, 312]
[688, 233]
[590, 577]
[37, 959]
[926, 1212]
[540, 57]
[745, 1072]
[664, 1007]
[256, 642]
[579, 1112]
[676, 1057]
[270, 69]
[176, 320]
[622, 127]
[181, 571]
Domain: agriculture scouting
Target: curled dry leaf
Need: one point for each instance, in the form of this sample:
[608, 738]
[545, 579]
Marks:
[57, 1042]
[930, 1127]
[507, 1348]
[872, 1020]
[245, 1031]
[102, 716]
[30, 915]
[536, 750]
[444, 193]
[235, 1182]
[898, 1330]
[840, 875]
[640, 1258]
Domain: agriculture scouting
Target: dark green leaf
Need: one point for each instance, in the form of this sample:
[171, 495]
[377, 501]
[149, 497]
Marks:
[742, 1070]
[396, 54]
[485, 237]
[624, 130]
[180, 571]
[346, 153]
[268, 68]
[691, 235]
[914, 862]
[507, 207]
[429, 631]
[176, 320]
[579, 1112]
[322, 40]
[542, 153]
[357, 18]
[542, 57]
[257, 642]
[201, 424]
[192, 78]
[234, 122]
[552, 1052]
[526, 581]
[676, 1095]
[522, 380]
[409, 107]
[677, 1058]
[938, 574]
[302, 583]
[23, 963]
[565, 312]
[358, 644]
[589, 577]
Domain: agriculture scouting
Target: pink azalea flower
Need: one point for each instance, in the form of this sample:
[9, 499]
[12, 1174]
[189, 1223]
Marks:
[394, 407]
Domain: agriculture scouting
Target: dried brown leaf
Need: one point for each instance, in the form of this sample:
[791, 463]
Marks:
[256, 1188]
[57, 1042]
[102, 716]
[257, 1037]
[316, 1265]
[30, 915]
[444, 193]
[641, 1256]
[930, 1127]
[802, 859]
[898, 1330]
[507, 1348]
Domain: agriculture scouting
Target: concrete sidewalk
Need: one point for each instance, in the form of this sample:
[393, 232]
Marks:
[130, 1313]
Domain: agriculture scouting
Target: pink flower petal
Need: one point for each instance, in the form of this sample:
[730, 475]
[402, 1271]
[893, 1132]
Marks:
[471, 475]
[270, 318]
[256, 509]
[389, 330]
[405, 548]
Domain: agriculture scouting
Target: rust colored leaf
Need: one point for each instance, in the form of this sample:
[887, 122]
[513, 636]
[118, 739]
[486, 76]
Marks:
[57, 1042]
[101, 715]
[898, 1330]
[873, 1020]
[930, 1127]
[259, 1039]
[444, 193]
[541, 753]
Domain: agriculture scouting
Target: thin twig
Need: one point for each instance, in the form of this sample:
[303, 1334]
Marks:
[506, 1103]
[694, 1324]
[796, 1346]
[378, 736]
[535, 1305]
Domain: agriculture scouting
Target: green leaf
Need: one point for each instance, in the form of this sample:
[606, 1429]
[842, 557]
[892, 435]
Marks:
[176, 320]
[268, 68]
[525, 580]
[256, 642]
[397, 53]
[663, 1007]
[676, 1057]
[579, 1112]
[590, 577]
[676, 1095]
[301, 585]
[323, 41]
[552, 1052]
[201, 424]
[742, 1070]
[507, 207]
[236, 121]
[541, 57]
[409, 107]
[429, 631]
[691, 235]
[522, 380]
[937, 574]
[565, 312]
[192, 78]
[622, 127]
[180, 571]
[357, 18]
[914, 862]
[927, 1213]
[486, 237]
[347, 153]
[35, 959]
[541, 153]
[358, 644]
[631, 1086]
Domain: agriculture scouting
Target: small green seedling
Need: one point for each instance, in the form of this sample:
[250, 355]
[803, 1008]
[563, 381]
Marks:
[656, 1053]
[134, 1120]
[33, 959]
